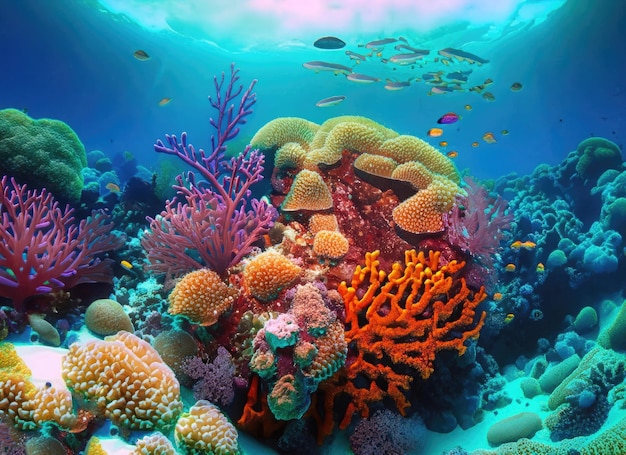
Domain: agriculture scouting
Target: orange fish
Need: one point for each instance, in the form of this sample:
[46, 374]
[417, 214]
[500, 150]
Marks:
[489, 138]
[497, 296]
[164, 101]
[435, 132]
[541, 268]
[443, 144]
[113, 188]
[528, 245]
[452, 154]
[510, 267]
[475, 144]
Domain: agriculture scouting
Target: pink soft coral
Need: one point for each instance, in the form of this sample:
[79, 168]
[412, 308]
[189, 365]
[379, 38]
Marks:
[478, 223]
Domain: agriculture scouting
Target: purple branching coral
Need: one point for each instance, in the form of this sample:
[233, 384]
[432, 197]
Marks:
[478, 223]
[218, 223]
[215, 380]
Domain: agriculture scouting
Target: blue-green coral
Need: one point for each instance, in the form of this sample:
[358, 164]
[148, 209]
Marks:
[42, 153]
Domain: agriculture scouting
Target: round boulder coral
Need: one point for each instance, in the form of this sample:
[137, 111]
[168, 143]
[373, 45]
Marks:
[205, 430]
[42, 153]
[269, 273]
[107, 317]
[597, 155]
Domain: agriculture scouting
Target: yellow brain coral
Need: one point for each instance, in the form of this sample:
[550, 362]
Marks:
[268, 273]
[282, 130]
[126, 379]
[202, 296]
[330, 244]
[308, 192]
[422, 213]
[107, 317]
[154, 444]
[205, 430]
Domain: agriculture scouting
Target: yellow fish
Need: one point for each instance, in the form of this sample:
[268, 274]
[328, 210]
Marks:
[127, 265]
[509, 317]
[113, 188]
[452, 154]
[164, 101]
[489, 138]
[541, 268]
[443, 144]
[475, 144]
[435, 132]
[528, 245]
[468, 107]
[510, 268]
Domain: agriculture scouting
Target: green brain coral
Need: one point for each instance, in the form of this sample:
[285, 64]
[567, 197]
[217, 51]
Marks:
[597, 155]
[42, 153]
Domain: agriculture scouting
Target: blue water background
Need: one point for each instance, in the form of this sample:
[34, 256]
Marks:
[70, 60]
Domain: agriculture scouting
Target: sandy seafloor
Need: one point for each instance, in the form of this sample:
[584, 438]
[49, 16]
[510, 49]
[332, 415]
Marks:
[45, 364]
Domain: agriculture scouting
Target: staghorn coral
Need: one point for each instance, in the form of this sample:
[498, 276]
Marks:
[397, 323]
[202, 297]
[126, 379]
[205, 430]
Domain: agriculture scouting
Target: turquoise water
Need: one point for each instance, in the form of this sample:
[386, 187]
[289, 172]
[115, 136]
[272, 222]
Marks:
[529, 156]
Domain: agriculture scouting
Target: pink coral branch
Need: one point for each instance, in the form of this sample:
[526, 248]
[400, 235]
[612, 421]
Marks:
[42, 248]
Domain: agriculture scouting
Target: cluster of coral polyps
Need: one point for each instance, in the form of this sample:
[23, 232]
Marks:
[126, 379]
[396, 324]
[347, 165]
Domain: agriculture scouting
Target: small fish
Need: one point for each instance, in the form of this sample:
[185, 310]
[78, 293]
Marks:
[452, 154]
[509, 317]
[329, 42]
[330, 101]
[141, 55]
[462, 56]
[164, 101]
[395, 85]
[477, 88]
[458, 76]
[487, 82]
[516, 86]
[489, 138]
[497, 296]
[318, 66]
[435, 132]
[433, 77]
[447, 119]
[407, 59]
[443, 144]
[413, 50]
[528, 245]
[510, 268]
[358, 57]
[362, 78]
[468, 107]
[475, 144]
[489, 96]
[440, 89]
[505, 132]
[113, 188]
[541, 268]
[383, 42]
[127, 265]
[446, 61]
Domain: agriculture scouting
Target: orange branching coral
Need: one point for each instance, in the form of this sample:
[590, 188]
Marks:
[402, 319]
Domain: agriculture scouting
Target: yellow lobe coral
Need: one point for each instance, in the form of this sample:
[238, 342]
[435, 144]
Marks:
[422, 213]
[126, 379]
[280, 131]
[308, 192]
[48, 404]
[398, 325]
[202, 296]
[323, 222]
[269, 273]
[415, 173]
[290, 156]
[205, 430]
[380, 166]
[330, 244]
[325, 128]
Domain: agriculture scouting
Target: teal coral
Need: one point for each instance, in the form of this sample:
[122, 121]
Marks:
[597, 155]
[42, 153]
